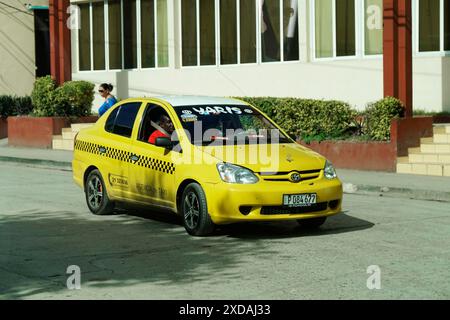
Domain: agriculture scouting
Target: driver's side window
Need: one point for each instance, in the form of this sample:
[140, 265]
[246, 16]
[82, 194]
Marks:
[151, 121]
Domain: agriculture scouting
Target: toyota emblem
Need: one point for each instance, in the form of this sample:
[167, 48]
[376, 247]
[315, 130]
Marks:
[295, 177]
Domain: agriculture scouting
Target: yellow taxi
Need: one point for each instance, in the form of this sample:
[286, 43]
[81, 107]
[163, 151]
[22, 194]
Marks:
[211, 160]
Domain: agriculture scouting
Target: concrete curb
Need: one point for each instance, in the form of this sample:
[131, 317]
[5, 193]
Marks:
[396, 192]
[40, 163]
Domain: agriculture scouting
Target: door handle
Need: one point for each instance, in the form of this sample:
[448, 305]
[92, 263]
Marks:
[102, 149]
[134, 158]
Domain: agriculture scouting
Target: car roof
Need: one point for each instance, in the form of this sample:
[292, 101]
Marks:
[178, 101]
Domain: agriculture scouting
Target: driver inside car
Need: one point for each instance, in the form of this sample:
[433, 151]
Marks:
[164, 128]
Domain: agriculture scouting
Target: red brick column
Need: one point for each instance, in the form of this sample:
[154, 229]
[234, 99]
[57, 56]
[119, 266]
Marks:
[60, 46]
[397, 51]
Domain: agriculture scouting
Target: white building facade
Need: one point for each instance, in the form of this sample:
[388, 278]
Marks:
[322, 49]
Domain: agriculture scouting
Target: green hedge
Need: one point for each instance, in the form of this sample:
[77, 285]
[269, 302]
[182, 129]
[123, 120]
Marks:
[15, 106]
[307, 119]
[73, 98]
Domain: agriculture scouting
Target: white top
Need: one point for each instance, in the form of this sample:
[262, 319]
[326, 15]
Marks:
[178, 101]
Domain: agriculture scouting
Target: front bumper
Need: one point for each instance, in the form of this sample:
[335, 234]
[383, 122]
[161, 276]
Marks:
[263, 201]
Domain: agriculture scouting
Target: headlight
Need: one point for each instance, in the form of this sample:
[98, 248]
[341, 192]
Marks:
[234, 174]
[329, 171]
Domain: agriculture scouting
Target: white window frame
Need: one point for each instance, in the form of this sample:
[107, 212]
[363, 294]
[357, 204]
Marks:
[416, 38]
[106, 43]
[313, 33]
[258, 48]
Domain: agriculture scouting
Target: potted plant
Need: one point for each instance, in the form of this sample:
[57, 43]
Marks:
[54, 108]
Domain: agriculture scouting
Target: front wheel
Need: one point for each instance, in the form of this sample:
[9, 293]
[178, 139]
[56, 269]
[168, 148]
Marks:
[96, 195]
[313, 223]
[194, 210]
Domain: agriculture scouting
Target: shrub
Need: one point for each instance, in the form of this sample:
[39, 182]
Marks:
[13, 106]
[307, 119]
[43, 97]
[379, 115]
[22, 106]
[73, 98]
[6, 103]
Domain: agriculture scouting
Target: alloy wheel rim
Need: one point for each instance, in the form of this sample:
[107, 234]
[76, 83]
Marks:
[95, 193]
[191, 210]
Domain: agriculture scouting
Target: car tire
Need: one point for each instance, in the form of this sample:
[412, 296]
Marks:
[194, 211]
[312, 223]
[96, 196]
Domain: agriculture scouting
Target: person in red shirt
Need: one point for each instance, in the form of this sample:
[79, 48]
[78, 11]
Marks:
[164, 128]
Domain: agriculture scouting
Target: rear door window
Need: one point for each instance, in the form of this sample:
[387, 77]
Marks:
[121, 120]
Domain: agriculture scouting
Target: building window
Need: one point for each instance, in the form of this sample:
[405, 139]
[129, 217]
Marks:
[234, 40]
[447, 25]
[154, 33]
[247, 31]
[335, 34]
[290, 30]
[207, 32]
[270, 30]
[323, 28]
[279, 30]
[429, 25]
[189, 32]
[434, 25]
[84, 38]
[228, 32]
[118, 43]
[373, 27]
[162, 25]
[148, 33]
[345, 28]
[98, 35]
[115, 34]
[129, 34]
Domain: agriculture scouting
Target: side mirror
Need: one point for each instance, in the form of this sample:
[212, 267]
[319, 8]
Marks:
[163, 142]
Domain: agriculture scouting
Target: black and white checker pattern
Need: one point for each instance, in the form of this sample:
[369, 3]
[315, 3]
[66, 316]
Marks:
[126, 156]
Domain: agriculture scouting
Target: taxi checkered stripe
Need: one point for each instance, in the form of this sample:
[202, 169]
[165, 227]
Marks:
[118, 154]
[87, 147]
[121, 155]
[156, 164]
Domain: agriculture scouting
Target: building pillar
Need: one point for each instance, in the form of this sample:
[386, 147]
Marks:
[60, 46]
[397, 51]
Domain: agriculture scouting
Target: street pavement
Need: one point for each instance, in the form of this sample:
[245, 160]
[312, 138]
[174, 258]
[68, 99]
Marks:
[140, 253]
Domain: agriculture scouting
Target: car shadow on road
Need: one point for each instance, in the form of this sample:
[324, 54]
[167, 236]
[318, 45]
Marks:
[340, 223]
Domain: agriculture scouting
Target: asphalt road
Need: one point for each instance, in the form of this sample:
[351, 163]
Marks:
[45, 227]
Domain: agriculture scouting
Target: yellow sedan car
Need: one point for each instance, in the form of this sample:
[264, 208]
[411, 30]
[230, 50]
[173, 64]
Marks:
[211, 160]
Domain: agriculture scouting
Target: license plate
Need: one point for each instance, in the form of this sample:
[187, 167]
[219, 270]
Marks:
[299, 200]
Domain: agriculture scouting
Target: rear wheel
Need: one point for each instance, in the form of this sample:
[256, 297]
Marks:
[96, 195]
[313, 223]
[194, 210]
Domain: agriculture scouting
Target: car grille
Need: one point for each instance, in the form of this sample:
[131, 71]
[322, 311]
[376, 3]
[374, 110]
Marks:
[284, 176]
[266, 210]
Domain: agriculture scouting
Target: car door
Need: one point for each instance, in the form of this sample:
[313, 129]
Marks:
[114, 147]
[153, 168]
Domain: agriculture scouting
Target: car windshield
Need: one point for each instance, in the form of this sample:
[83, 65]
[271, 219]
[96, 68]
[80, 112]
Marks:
[228, 124]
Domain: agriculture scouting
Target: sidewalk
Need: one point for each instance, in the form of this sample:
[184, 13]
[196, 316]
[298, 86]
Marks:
[355, 182]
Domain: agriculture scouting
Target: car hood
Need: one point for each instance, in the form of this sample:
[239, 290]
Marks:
[269, 158]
